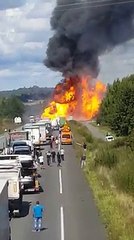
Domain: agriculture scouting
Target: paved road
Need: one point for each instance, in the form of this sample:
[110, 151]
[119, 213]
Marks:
[34, 110]
[70, 213]
[94, 130]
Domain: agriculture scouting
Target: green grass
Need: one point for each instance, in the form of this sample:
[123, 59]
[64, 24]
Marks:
[107, 181]
[6, 124]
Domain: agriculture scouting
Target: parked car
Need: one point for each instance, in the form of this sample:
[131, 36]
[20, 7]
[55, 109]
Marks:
[109, 138]
[22, 150]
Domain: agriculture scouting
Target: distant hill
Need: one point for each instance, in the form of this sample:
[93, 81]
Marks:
[29, 94]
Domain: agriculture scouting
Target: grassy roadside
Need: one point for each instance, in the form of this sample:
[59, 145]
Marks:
[116, 206]
[6, 124]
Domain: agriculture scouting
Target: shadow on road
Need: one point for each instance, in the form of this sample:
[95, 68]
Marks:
[39, 175]
[43, 229]
[25, 209]
[41, 189]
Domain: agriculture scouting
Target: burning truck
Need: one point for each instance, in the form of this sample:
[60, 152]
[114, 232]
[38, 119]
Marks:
[76, 97]
[83, 32]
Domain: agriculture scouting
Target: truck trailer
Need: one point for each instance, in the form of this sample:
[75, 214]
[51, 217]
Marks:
[4, 216]
[11, 173]
[28, 171]
[42, 129]
[33, 133]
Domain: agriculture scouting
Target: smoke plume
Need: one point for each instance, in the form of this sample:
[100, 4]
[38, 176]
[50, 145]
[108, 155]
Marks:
[84, 30]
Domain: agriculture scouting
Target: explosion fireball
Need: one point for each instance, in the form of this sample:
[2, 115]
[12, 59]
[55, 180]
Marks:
[83, 32]
[77, 97]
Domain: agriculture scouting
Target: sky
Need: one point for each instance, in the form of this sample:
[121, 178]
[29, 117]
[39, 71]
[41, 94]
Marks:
[24, 34]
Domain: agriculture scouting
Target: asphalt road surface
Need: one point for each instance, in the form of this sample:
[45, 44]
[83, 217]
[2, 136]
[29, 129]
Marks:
[95, 131]
[70, 211]
[34, 109]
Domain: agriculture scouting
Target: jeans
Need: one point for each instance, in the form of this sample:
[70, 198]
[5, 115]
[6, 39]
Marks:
[62, 157]
[53, 159]
[83, 163]
[48, 161]
[37, 223]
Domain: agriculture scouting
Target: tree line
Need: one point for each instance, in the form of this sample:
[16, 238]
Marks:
[117, 107]
[26, 94]
[11, 107]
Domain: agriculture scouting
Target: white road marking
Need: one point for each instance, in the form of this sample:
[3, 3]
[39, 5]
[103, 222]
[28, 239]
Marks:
[62, 223]
[60, 181]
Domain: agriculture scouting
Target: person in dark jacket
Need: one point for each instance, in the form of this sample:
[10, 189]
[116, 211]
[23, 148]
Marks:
[58, 159]
[53, 154]
[85, 146]
[48, 158]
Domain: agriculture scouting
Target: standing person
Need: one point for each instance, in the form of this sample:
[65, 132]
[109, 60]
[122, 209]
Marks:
[59, 143]
[37, 155]
[53, 154]
[37, 215]
[84, 147]
[51, 142]
[48, 158]
[41, 160]
[58, 159]
[83, 161]
[62, 154]
[56, 142]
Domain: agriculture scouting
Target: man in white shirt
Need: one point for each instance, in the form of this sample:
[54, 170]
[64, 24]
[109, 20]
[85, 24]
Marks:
[41, 160]
[62, 154]
[56, 142]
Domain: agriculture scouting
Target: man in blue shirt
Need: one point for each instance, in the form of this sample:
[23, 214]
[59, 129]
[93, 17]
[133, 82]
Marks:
[37, 215]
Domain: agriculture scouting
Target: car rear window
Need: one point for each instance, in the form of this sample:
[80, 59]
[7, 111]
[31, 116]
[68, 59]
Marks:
[23, 152]
[110, 138]
[66, 136]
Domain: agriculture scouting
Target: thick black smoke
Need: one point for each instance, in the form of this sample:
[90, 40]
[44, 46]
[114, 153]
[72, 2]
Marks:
[82, 33]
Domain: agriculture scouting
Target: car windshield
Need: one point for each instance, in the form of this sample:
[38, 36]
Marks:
[19, 144]
[22, 152]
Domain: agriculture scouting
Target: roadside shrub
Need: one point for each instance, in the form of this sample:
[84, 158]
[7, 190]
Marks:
[120, 142]
[130, 141]
[88, 138]
[83, 131]
[127, 142]
[106, 157]
[124, 176]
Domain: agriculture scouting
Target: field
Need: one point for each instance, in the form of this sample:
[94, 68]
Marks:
[6, 124]
[110, 173]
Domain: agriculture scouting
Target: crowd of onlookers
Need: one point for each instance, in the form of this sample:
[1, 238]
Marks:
[53, 155]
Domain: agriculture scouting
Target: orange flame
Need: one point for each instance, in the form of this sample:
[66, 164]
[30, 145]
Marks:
[77, 97]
